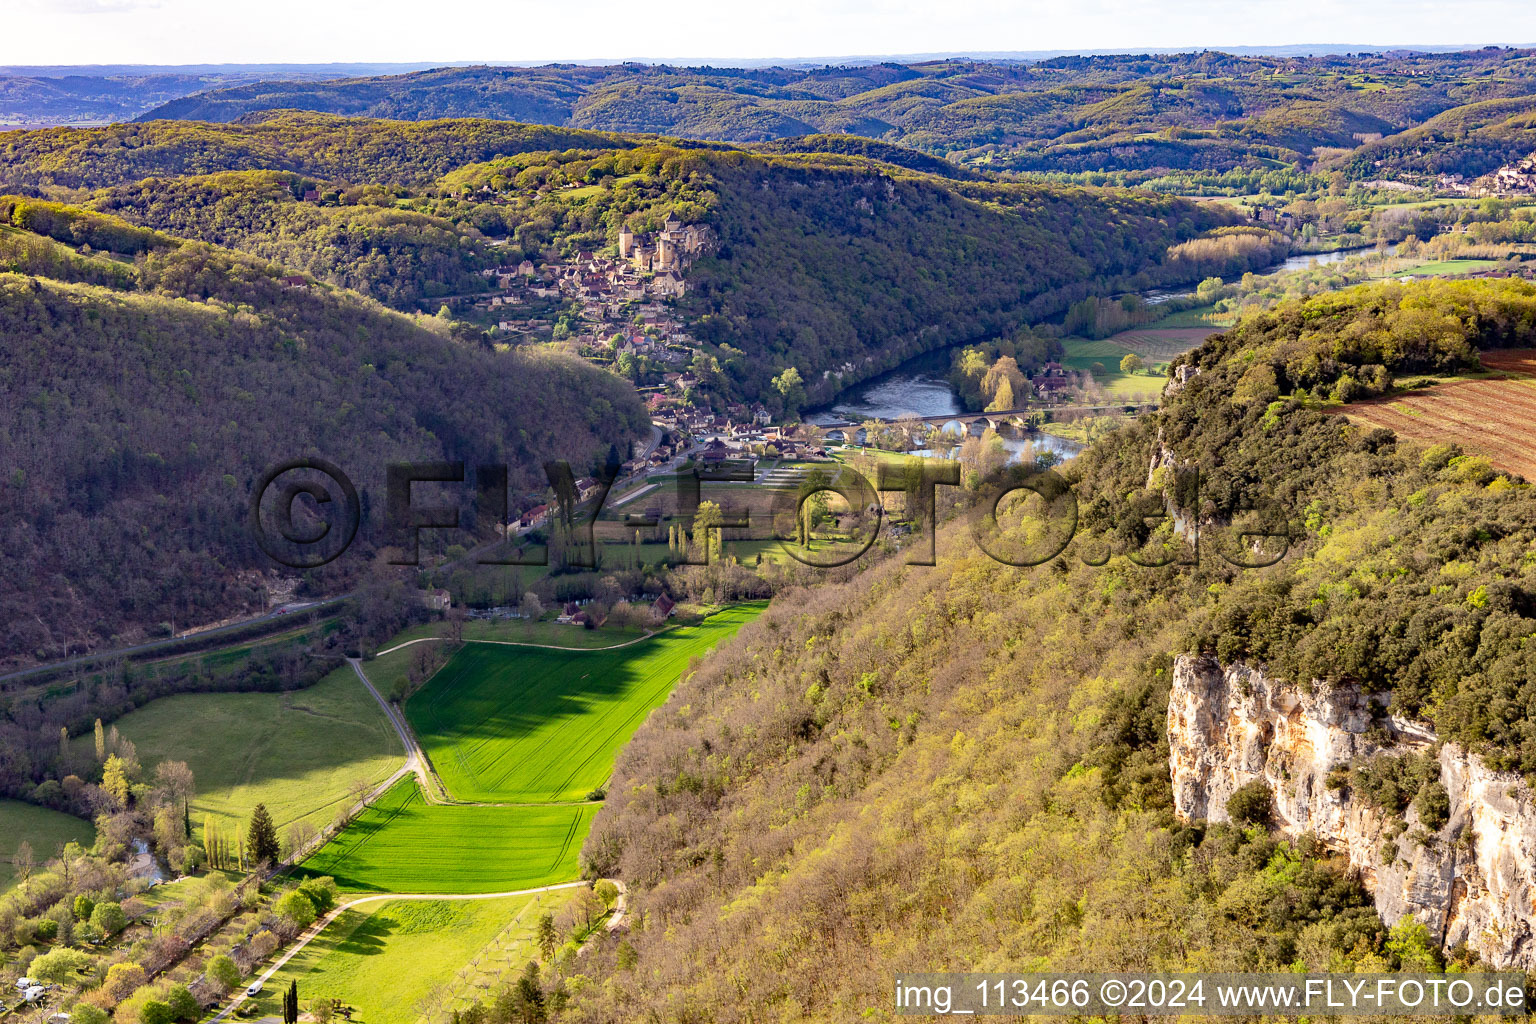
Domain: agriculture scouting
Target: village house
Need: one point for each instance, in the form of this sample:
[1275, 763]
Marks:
[436, 600]
[1052, 380]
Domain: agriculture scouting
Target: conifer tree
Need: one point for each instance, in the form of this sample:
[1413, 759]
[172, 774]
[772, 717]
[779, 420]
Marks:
[262, 837]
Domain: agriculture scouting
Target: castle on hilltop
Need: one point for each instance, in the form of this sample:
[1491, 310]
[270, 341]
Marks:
[673, 248]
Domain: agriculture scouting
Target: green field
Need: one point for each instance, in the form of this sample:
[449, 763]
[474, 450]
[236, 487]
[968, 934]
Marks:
[388, 960]
[390, 672]
[1186, 318]
[387, 671]
[526, 725]
[403, 844]
[299, 752]
[1451, 267]
[46, 831]
[1082, 353]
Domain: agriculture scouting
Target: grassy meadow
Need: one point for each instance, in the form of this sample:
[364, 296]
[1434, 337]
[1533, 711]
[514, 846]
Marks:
[403, 844]
[1083, 353]
[301, 752]
[1451, 266]
[390, 961]
[46, 831]
[390, 672]
[526, 725]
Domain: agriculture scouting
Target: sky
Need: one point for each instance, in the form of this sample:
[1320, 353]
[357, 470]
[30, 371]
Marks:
[320, 31]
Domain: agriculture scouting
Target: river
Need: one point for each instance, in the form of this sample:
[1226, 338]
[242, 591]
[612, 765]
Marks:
[1298, 262]
[920, 387]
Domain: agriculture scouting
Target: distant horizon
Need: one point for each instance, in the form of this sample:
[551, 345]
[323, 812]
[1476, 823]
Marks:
[371, 67]
[182, 34]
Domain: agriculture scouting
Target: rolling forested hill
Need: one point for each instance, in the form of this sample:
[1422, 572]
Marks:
[150, 380]
[369, 243]
[1469, 140]
[323, 147]
[840, 260]
[843, 271]
[839, 265]
[966, 765]
[1195, 111]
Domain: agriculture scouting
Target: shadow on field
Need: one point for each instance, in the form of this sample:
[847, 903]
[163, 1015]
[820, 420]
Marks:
[489, 696]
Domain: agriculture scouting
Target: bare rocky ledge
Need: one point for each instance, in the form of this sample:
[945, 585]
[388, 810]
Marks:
[1472, 883]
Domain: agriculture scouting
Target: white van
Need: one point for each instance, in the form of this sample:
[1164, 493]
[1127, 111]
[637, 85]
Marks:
[254, 988]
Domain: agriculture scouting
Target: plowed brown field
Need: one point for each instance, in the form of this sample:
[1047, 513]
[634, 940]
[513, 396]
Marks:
[1515, 361]
[1495, 418]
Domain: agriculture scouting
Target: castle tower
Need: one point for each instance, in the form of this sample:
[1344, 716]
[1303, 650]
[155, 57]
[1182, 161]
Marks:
[666, 252]
[626, 241]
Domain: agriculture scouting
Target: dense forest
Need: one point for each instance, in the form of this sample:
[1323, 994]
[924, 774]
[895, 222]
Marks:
[1205, 111]
[1469, 140]
[839, 261]
[842, 265]
[150, 380]
[321, 146]
[966, 765]
[843, 271]
[357, 237]
[98, 93]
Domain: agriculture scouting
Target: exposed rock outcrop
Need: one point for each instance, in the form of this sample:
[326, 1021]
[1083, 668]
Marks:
[1179, 379]
[1472, 882]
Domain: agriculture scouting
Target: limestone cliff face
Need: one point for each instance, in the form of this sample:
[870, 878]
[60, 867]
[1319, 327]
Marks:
[1472, 883]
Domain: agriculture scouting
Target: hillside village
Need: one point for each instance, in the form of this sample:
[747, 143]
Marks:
[625, 321]
[615, 295]
[1513, 179]
[1517, 179]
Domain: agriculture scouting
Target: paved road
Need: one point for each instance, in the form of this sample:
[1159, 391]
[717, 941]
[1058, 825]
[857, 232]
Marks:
[150, 646]
[524, 643]
[415, 759]
[319, 926]
[656, 434]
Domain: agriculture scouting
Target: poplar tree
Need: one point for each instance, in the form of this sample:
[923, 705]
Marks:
[211, 842]
[546, 937]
